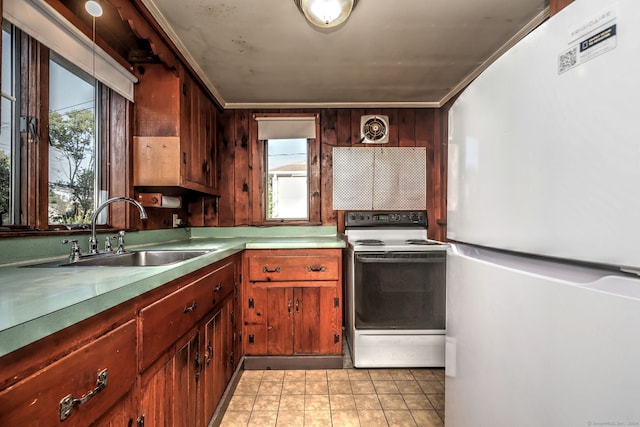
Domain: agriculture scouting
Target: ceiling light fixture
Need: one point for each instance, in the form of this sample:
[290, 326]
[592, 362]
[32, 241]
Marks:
[94, 8]
[326, 13]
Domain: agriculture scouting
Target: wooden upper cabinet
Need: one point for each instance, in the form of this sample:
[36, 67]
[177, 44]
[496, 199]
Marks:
[174, 132]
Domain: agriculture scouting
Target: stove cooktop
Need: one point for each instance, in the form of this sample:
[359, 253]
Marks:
[389, 231]
[402, 245]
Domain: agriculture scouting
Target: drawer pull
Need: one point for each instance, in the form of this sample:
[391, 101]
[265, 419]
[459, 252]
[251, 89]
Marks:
[218, 287]
[320, 268]
[266, 270]
[191, 307]
[68, 402]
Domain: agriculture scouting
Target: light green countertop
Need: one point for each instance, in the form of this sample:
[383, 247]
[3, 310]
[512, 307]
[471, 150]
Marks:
[36, 302]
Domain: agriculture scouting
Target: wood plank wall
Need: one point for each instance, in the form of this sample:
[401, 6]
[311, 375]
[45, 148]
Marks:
[556, 6]
[339, 128]
[420, 127]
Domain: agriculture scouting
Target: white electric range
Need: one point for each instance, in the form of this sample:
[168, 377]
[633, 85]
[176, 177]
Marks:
[395, 281]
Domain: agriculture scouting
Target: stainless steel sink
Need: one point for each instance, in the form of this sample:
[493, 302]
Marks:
[147, 258]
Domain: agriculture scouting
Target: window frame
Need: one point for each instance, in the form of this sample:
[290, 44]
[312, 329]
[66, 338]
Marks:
[266, 184]
[14, 99]
[114, 114]
[258, 171]
[69, 67]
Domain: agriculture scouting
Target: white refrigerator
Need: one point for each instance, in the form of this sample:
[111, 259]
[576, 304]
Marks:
[543, 292]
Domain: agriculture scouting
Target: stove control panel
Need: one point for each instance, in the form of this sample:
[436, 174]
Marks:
[385, 219]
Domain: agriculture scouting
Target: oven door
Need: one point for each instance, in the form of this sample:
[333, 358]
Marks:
[400, 290]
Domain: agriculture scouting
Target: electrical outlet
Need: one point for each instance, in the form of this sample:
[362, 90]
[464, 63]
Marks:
[177, 222]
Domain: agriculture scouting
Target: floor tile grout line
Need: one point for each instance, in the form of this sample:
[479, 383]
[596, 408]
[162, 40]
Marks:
[354, 378]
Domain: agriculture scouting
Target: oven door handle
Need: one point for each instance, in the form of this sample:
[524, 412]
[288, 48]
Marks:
[396, 259]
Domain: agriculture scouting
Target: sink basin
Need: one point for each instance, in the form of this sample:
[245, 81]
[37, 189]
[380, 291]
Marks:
[148, 258]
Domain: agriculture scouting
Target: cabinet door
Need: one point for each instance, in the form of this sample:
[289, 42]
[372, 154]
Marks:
[316, 321]
[186, 126]
[213, 380]
[217, 368]
[226, 342]
[268, 320]
[156, 397]
[197, 131]
[279, 320]
[170, 396]
[187, 369]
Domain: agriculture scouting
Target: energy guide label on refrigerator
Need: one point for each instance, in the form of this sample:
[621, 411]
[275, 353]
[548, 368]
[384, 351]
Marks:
[586, 47]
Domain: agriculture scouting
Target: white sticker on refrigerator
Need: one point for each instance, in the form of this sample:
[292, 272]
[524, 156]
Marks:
[588, 48]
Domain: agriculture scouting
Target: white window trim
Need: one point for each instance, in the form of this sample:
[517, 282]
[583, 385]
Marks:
[45, 24]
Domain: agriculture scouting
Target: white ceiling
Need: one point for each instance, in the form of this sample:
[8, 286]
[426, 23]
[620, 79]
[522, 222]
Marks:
[402, 53]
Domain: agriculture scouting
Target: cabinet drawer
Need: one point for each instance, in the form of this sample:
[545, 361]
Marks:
[38, 399]
[223, 283]
[166, 320]
[293, 267]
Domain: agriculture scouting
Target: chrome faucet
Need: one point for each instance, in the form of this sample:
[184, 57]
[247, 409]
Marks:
[93, 241]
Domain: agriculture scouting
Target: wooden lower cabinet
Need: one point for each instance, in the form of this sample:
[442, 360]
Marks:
[78, 389]
[185, 388]
[198, 373]
[292, 302]
[179, 381]
[292, 320]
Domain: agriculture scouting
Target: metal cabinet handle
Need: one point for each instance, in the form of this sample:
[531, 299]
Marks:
[197, 364]
[218, 287]
[68, 402]
[265, 269]
[209, 354]
[191, 307]
[319, 268]
[297, 305]
[289, 303]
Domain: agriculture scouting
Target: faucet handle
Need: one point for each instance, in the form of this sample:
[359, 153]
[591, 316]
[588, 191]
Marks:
[107, 243]
[120, 236]
[74, 255]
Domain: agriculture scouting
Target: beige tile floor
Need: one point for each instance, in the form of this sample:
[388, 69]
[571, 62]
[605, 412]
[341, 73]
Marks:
[340, 397]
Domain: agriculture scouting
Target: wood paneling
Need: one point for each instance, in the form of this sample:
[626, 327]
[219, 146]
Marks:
[242, 159]
[226, 158]
[242, 170]
[556, 6]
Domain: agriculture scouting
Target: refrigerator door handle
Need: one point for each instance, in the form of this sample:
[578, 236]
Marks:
[587, 277]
